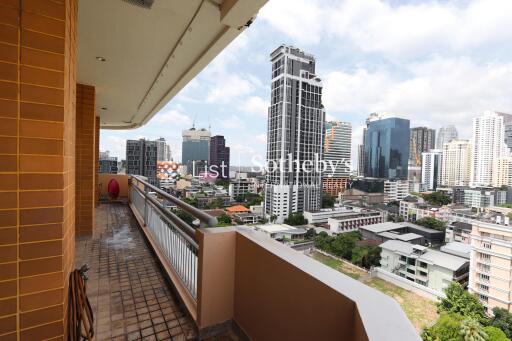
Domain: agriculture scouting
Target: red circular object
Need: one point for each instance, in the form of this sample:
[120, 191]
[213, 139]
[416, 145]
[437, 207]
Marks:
[113, 189]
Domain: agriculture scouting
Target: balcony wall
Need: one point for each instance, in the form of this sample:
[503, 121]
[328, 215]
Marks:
[272, 292]
[104, 179]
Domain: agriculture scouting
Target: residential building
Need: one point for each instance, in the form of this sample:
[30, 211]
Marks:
[108, 164]
[502, 172]
[457, 249]
[141, 159]
[351, 221]
[337, 152]
[487, 145]
[321, 216]
[507, 122]
[478, 198]
[219, 156]
[431, 268]
[384, 231]
[195, 146]
[414, 177]
[456, 163]
[491, 261]
[422, 140]
[246, 218]
[395, 190]
[240, 187]
[386, 147]
[295, 134]
[445, 134]
[163, 150]
[411, 210]
[431, 169]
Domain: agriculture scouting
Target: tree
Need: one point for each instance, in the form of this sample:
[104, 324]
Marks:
[224, 219]
[472, 330]
[432, 223]
[327, 200]
[191, 201]
[495, 334]
[295, 219]
[184, 216]
[461, 302]
[344, 244]
[222, 182]
[310, 233]
[502, 319]
[273, 218]
[323, 241]
[447, 328]
[437, 198]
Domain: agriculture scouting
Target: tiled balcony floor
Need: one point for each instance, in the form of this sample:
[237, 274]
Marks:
[130, 297]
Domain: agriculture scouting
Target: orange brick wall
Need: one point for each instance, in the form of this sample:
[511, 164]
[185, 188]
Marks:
[97, 164]
[86, 168]
[37, 158]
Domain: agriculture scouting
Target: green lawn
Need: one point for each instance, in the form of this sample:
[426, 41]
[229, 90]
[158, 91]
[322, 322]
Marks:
[421, 311]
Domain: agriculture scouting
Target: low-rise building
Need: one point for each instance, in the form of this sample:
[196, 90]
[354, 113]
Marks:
[457, 249]
[352, 220]
[458, 231]
[478, 198]
[246, 218]
[281, 231]
[412, 209]
[240, 187]
[419, 264]
[375, 232]
[395, 190]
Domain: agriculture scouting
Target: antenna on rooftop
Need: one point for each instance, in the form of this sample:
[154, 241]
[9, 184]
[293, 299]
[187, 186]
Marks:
[194, 121]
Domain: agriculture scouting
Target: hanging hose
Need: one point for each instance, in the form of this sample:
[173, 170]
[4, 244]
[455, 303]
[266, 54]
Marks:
[80, 316]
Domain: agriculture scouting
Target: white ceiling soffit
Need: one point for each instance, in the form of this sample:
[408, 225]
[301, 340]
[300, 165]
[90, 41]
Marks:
[151, 53]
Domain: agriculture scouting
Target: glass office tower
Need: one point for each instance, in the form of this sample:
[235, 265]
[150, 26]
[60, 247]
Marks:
[386, 147]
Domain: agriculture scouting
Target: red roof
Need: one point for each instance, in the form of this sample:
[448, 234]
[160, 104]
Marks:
[237, 209]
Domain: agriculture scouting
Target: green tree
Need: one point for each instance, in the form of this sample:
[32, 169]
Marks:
[310, 233]
[323, 241]
[273, 218]
[447, 328]
[224, 219]
[461, 302]
[495, 334]
[191, 201]
[295, 219]
[184, 216]
[327, 200]
[472, 330]
[502, 319]
[432, 223]
[344, 244]
[437, 198]
[222, 182]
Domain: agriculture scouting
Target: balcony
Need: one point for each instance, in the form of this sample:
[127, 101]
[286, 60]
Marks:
[153, 275]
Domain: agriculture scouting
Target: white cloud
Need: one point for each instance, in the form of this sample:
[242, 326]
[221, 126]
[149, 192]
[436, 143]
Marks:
[255, 105]
[173, 116]
[114, 144]
[262, 138]
[439, 91]
[227, 87]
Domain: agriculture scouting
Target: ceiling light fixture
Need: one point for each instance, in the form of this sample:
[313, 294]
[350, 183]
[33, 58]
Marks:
[103, 108]
[101, 59]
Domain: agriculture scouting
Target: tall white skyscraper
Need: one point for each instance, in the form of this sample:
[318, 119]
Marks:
[431, 169]
[295, 134]
[445, 134]
[488, 143]
[456, 163]
[337, 150]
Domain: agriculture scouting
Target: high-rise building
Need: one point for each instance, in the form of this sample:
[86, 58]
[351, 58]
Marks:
[445, 134]
[219, 156]
[163, 150]
[195, 145]
[488, 143]
[295, 134]
[107, 163]
[431, 169]
[386, 147]
[141, 159]
[337, 151]
[502, 172]
[422, 140]
[490, 275]
[456, 163]
[360, 160]
[507, 122]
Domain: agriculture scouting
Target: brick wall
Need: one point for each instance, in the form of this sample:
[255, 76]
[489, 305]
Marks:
[97, 161]
[86, 168]
[37, 151]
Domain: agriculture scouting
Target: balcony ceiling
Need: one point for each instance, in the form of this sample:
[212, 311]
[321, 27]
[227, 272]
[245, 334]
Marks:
[151, 54]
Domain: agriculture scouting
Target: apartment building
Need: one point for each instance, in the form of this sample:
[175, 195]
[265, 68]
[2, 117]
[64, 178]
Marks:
[431, 169]
[107, 164]
[337, 151]
[484, 197]
[395, 190]
[412, 210]
[456, 163]
[141, 159]
[446, 134]
[502, 171]
[351, 221]
[422, 139]
[491, 263]
[240, 187]
[431, 268]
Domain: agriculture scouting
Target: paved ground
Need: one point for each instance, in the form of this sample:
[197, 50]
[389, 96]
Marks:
[130, 297]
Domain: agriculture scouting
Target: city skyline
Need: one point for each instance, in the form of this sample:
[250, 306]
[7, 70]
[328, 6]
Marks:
[231, 94]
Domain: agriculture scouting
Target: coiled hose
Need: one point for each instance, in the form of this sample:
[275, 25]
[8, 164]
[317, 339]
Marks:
[80, 316]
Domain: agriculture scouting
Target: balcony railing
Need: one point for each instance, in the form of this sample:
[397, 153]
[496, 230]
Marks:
[174, 237]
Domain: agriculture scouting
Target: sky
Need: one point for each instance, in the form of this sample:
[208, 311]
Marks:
[432, 62]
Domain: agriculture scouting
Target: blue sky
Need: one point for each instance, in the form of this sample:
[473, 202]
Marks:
[433, 62]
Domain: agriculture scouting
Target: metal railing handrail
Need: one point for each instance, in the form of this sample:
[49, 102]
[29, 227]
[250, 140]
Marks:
[195, 212]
